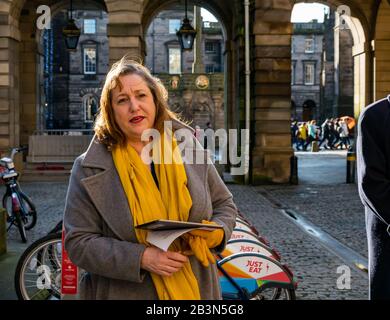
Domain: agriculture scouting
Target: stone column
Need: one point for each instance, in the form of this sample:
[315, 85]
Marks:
[198, 66]
[381, 46]
[336, 65]
[9, 79]
[124, 30]
[271, 141]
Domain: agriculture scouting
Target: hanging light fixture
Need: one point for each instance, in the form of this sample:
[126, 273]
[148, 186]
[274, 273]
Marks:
[70, 32]
[186, 34]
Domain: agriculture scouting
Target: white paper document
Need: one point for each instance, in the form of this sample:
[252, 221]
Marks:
[161, 233]
[163, 239]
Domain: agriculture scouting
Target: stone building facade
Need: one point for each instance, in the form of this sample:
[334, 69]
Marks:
[75, 79]
[322, 70]
[306, 67]
[196, 104]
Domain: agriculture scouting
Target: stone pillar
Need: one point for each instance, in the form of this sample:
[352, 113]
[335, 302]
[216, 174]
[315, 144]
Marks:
[28, 69]
[124, 30]
[198, 66]
[336, 65]
[382, 52]
[270, 140]
[361, 57]
[9, 79]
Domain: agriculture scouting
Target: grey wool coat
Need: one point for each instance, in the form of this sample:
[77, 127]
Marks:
[100, 236]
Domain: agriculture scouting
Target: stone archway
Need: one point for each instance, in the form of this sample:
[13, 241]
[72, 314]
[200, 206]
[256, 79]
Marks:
[19, 48]
[360, 29]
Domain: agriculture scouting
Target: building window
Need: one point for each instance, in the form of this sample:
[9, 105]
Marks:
[309, 73]
[174, 25]
[90, 106]
[210, 68]
[309, 45]
[89, 60]
[90, 26]
[210, 47]
[174, 60]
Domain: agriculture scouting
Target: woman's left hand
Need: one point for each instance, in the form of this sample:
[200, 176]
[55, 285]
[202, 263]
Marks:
[212, 238]
[199, 248]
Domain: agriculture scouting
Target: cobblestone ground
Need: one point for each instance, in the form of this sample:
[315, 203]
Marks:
[337, 209]
[314, 266]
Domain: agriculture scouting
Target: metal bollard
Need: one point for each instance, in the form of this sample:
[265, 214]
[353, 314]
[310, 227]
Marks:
[294, 170]
[351, 166]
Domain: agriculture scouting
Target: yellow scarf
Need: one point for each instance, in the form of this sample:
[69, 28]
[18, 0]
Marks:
[173, 201]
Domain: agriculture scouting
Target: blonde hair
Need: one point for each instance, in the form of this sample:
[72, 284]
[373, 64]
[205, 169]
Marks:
[106, 128]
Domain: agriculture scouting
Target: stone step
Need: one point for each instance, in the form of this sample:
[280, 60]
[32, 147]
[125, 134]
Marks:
[45, 166]
[45, 175]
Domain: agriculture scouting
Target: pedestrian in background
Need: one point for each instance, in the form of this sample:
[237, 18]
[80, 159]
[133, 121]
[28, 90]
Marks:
[302, 135]
[373, 163]
[294, 134]
[311, 133]
[325, 134]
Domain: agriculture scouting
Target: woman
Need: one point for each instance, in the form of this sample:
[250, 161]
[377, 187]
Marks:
[112, 189]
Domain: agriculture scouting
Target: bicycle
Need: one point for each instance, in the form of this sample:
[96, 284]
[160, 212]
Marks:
[20, 209]
[253, 276]
[38, 273]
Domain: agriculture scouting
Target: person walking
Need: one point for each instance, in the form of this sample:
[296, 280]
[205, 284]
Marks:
[294, 134]
[325, 134]
[312, 133]
[302, 135]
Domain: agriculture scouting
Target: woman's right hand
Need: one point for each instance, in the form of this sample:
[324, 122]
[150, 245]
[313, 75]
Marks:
[162, 263]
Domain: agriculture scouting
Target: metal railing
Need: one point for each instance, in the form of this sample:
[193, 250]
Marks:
[63, 132]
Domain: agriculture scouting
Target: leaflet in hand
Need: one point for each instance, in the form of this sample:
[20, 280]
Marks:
[161, 233]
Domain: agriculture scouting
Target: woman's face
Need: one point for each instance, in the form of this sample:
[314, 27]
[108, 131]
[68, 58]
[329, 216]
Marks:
[134, 108]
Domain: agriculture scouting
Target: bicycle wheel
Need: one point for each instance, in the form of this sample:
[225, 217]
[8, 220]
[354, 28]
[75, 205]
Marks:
[275, 294]
[28, 208]
[20, 225]
[38, 272]
[260, 277]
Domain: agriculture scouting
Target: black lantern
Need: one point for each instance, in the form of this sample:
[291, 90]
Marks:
[71, 33]
[186, 33]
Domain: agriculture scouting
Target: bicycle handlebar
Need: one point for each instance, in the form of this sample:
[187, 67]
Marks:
[17, 150]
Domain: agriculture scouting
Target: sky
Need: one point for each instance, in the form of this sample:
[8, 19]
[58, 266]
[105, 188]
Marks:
[305, 12]
[302, 12]
[207, 16]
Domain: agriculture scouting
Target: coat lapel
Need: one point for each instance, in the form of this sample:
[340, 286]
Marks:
[106, 192]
